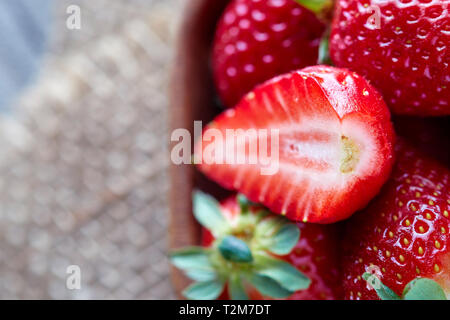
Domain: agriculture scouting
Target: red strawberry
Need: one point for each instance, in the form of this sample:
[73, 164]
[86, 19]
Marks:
[256, 40]
[314, 255]
[335, 146]
[405, 231]
[429, 135]
[406, 58]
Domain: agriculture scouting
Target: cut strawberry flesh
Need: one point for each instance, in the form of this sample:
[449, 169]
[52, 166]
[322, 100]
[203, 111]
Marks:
[334, 145]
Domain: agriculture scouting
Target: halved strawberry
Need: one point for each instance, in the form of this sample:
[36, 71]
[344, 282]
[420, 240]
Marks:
[329, 140]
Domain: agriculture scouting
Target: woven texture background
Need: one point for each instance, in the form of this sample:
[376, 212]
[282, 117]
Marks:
[83, 163]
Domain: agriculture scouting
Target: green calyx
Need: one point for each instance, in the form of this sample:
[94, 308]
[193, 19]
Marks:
[323, 11]
[417, 289]
[317, 6]
[235, 250]
[324, 50]
[243, 253]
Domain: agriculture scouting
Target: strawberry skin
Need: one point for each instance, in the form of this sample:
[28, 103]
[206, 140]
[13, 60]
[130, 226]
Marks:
[404, 232]
[257, 40]
[406, 59]
[335, 147]
[315, 255]
[428, 135]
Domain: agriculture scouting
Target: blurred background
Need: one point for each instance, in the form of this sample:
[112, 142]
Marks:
[83, 148]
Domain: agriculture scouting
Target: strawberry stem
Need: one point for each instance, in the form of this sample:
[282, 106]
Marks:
[244, 203]
[324, 50]
[416, 289]
[383, 291]
[235, 250]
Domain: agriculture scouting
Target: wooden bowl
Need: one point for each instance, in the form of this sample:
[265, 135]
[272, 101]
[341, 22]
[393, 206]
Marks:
[192, 98]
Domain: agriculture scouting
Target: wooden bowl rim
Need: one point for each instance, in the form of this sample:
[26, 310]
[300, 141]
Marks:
[198, 16]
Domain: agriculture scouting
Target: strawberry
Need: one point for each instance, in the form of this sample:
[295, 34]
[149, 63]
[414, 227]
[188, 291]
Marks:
[403, 235]
[329, 137]
[429, 135]
[401, 47]
[256, 40]
[250, 253]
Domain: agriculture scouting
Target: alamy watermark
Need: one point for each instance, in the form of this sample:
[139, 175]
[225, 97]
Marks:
[232, 146]
[374, 20]
[73, 21]
[373, 281]
[73, 280]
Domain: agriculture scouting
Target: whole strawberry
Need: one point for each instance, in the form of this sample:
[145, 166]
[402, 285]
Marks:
[399, 245]
[256, 40]
[402, 47]
[248, 253]
[428, 135]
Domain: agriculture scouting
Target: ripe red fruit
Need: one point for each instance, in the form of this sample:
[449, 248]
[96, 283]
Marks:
[335, 146]
[405, 231]
[406, 58]
[256, 40]
[428, 135]
[315, 254]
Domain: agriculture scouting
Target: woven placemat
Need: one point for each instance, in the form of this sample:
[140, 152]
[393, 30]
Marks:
[83, 163]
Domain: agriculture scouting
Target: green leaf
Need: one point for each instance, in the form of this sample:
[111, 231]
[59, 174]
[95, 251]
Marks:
[268, 227]
[201, 275]
[191, 258]
[236, 289]
[207, 212]
[423, 289]
[282, 272]
[383, 291]
[269, 287]
[315, 5]
[207, 290]
[235, 250]
[284, 239]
